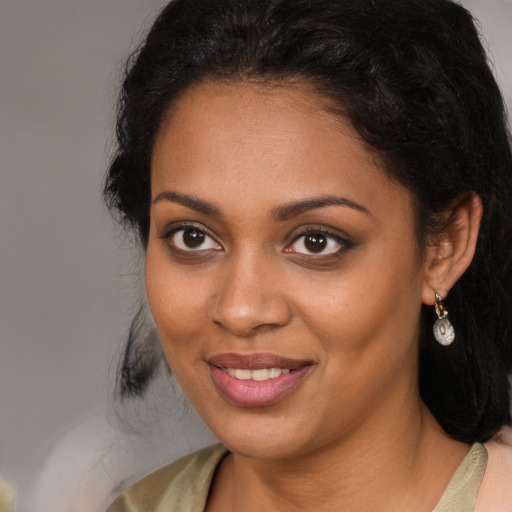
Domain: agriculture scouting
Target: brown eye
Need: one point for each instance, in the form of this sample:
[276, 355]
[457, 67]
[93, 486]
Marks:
[192, 239]
[315, 242]
[318, 243]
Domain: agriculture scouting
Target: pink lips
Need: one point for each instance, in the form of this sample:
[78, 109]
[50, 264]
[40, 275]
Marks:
[252, 393]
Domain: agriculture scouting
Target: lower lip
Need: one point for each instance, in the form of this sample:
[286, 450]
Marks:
[252, 393]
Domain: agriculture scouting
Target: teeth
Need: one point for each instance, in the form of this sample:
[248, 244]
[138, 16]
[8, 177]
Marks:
[243, 374]
[257, 375]
[274, 372]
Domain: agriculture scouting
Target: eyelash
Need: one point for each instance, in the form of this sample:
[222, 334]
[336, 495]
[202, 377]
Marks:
[191, 253]
[343, 243]
[201, 253]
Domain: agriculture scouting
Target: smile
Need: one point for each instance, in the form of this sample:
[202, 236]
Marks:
[257, 375]
[256, 380]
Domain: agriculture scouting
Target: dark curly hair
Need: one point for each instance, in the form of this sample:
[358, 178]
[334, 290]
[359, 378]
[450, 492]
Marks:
[413, 79]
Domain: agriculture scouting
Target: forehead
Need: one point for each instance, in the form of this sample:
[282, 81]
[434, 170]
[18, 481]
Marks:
[241, 115]
[273, 143]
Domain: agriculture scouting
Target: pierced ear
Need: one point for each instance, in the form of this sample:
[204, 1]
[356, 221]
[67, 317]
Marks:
[451, 253]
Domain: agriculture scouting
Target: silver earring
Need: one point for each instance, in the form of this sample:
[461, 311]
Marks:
[443, 329]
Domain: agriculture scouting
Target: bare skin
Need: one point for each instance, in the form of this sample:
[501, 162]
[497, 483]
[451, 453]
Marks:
[275, 231]
[243, 484]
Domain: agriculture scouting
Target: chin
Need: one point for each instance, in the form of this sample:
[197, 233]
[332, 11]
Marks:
[262, 438]
[262, 449]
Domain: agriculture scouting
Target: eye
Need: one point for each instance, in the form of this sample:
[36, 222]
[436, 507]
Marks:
[192, 239]
[317, 243]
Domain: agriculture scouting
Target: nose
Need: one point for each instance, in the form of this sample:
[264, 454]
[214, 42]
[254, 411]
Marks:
[249, 298]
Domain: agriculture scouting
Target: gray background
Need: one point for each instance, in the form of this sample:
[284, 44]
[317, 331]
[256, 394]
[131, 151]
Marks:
[68, 282]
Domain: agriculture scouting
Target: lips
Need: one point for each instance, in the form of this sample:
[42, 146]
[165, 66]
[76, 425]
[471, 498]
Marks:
[256, 380]
[255, 361]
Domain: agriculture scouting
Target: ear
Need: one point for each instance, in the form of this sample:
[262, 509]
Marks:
[451, 252]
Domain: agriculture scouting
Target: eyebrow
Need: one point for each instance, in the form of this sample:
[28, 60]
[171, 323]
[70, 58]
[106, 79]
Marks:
[199, 205]
[285, 212]
[278, 214]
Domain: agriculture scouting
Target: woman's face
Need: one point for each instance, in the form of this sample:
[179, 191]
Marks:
[282, 271]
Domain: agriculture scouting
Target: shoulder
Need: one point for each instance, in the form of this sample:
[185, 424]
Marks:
[496, 490]
[186, 480]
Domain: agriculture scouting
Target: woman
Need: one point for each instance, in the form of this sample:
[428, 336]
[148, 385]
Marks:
[323, 193]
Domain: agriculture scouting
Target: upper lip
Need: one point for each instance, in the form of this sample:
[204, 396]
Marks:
[256, 361]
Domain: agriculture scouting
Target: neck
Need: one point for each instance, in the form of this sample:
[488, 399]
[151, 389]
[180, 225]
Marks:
[403, 467]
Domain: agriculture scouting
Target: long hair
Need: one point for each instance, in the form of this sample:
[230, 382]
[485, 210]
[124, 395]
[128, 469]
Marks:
[413, 79]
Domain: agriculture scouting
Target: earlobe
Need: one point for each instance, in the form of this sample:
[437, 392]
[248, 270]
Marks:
[451, 254]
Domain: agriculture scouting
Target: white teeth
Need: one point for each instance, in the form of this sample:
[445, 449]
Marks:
[275, 372]
[243, 374]
[257, 375]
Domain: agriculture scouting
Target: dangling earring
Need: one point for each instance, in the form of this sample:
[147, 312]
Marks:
[443, 329]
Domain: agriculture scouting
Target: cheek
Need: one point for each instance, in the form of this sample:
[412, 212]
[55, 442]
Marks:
[368, 313]
[177, 299]
[368, 338]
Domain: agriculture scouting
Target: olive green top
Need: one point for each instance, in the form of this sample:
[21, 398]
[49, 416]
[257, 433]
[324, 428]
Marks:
[184, 485]
[460, 495]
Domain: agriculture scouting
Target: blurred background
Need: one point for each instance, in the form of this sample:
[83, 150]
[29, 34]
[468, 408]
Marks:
[69, 280]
